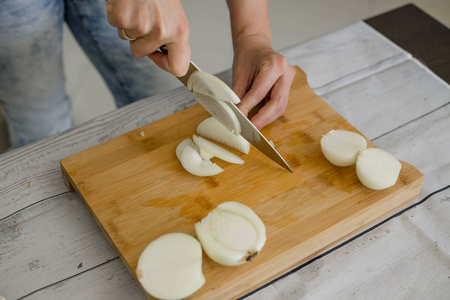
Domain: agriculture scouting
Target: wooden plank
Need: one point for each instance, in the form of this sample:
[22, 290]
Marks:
[393, 97]
[54, 239]
[128, 179]
[418, 33]
[328, 64]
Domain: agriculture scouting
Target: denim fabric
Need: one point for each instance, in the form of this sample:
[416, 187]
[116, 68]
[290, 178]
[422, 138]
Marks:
[31, 69]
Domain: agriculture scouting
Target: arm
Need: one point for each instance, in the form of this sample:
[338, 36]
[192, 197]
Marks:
[258, 71]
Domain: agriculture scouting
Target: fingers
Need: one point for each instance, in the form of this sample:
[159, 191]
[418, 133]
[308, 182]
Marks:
[177, 59]
[271, 69]
[276, 106]
[151, 24]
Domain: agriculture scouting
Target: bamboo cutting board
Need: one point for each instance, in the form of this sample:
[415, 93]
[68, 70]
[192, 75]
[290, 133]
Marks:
[137, 190]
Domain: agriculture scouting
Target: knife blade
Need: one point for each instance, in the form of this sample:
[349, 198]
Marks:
[248, 130]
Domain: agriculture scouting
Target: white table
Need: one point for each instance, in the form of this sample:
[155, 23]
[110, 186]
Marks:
[51, 247]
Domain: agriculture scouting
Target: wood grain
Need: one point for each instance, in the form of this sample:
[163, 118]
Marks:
[137, 190]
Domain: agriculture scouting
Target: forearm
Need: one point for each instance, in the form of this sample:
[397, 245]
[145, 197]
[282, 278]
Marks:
[249, 18]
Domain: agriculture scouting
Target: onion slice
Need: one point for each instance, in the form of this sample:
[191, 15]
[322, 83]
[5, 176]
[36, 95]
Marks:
[213, 130]
[170, 267]
[183, 144]
[377, 169]
[216, 150]
[340, 147]
[231, 234]
[209, 85]
[193, 163]
[221, 111]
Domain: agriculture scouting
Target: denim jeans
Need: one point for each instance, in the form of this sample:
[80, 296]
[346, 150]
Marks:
[31, 70]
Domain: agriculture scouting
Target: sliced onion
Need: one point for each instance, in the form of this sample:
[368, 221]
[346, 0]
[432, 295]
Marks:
[170, 267]
[216, 150]
[193, 163]
[231, 234]
[377, 169]
[205, 155]
[221, 111]
[213, 130]
[340, 147]
[209, 85]
[187, 142]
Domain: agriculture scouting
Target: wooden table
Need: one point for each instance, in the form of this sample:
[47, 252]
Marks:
[51, 248]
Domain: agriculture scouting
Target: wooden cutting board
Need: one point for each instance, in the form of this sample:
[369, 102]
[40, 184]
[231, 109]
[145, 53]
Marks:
[137, 190]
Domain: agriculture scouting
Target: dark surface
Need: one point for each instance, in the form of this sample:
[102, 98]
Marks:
[419, 34]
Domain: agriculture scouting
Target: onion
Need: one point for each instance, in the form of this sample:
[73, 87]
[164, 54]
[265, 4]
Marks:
[193, 163]
[216, 151]
[170, 267]
[209, 85]
[377, 169]
[231, 234]
[221, 111]
[340, 147]
[205, 155]
[213, 130]
[184, 143]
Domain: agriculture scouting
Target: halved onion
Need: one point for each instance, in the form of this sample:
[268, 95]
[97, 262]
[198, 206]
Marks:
[193, 163]
[377, 169]
[216, 150]
[340, 147]
[170, 267]
[213, 130]
[209, 85]
[220, 110]
[231, 234]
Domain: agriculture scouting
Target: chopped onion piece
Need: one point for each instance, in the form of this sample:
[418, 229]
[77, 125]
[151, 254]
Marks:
[209, 85]
[231, 234]
[213, 130]
[340, 147]
[377, 169]
[221, 111]
[170, 267]
[193, 163]
[216, 151]
[205, 155]
[187, 142]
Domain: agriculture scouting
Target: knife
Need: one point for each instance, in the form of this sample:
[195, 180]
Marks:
[248, 130]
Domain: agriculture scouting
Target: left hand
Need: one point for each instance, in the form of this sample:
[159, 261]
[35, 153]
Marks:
[260, 73]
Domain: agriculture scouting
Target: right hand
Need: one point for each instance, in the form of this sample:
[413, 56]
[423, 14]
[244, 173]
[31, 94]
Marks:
[154, 23]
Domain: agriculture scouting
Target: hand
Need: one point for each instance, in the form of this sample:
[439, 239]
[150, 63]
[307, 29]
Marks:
[154, 23]
[261, 73]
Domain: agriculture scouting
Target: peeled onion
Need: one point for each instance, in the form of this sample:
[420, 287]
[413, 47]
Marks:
[340, 147]
[213, 130]
[231, 234]
[377, 169]
[170, 267]
[216, 150]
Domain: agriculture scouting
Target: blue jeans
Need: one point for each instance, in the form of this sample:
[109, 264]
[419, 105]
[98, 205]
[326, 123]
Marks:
[31, 71]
